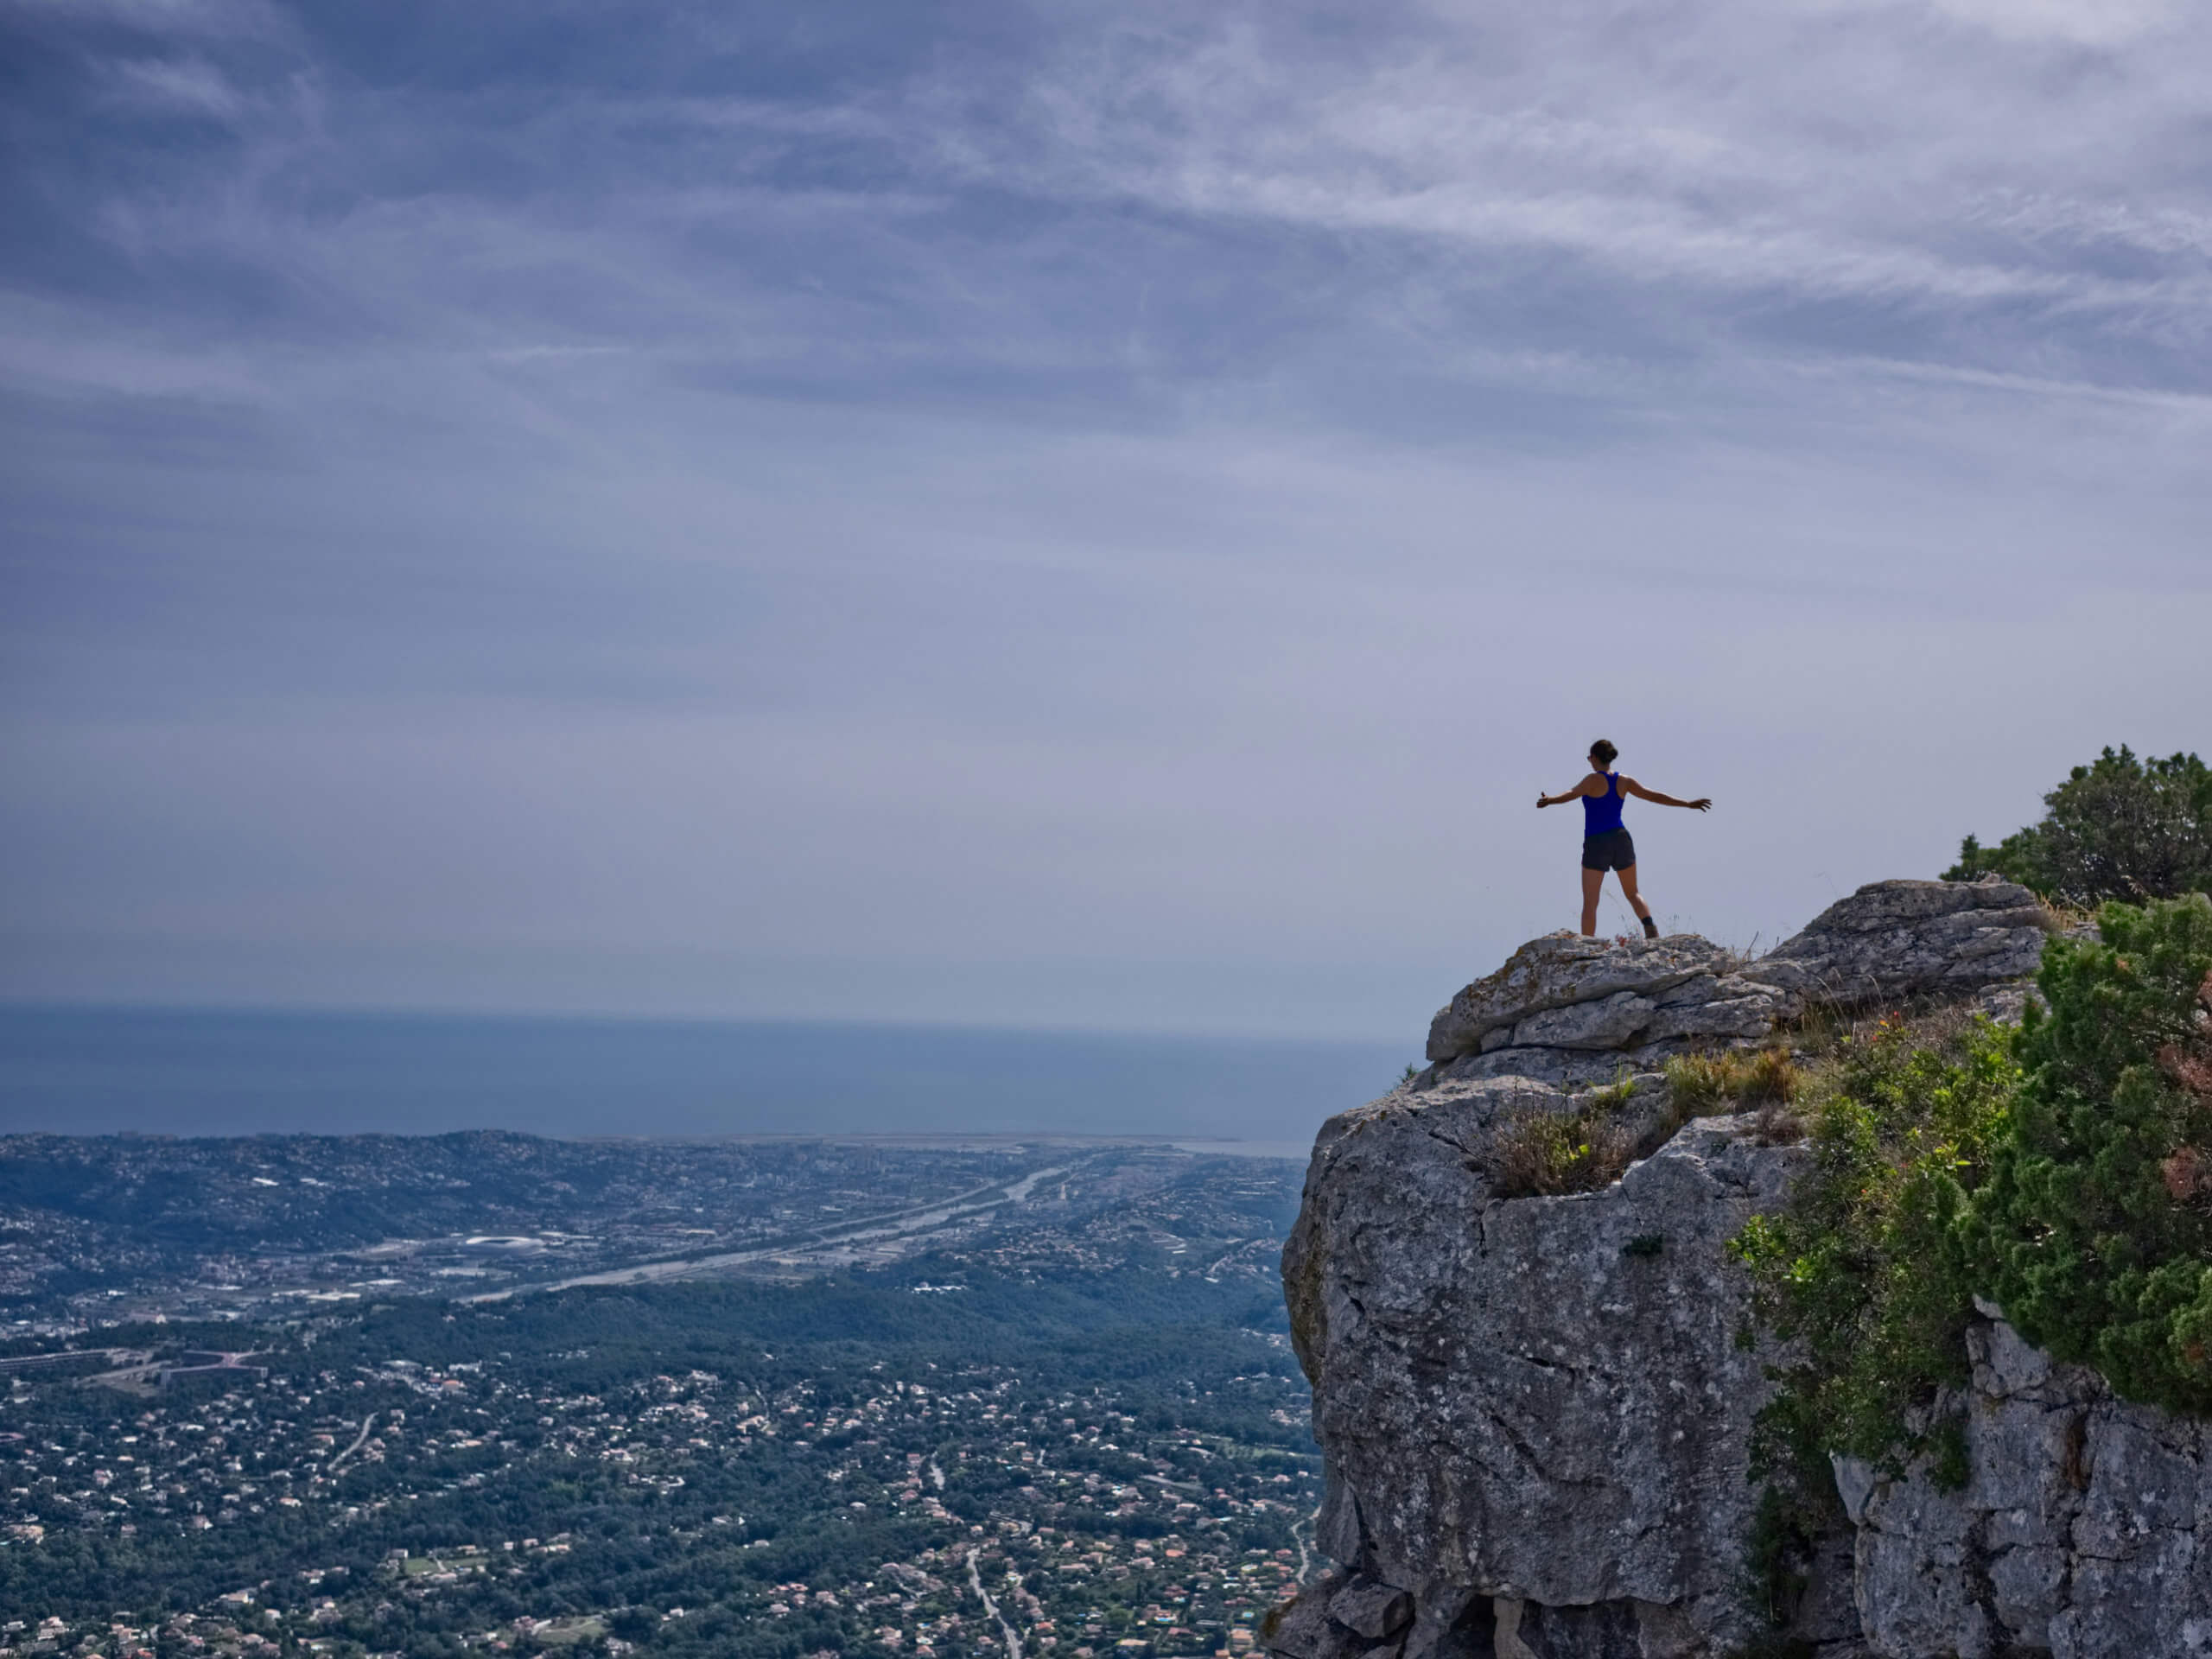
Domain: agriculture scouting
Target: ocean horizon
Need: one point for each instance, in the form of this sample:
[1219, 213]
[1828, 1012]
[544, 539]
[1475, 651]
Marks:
[82, 1069]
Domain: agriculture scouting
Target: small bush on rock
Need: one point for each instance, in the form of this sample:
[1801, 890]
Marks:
[1701, 1085]
[1775, 1125]
[1615, 1094]
[1698, 1084]
[2118, 829]
[1543, 1155]
[2094, 1230]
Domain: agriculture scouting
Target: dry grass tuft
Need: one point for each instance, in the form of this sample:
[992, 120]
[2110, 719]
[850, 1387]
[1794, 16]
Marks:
[1704, 1085]
[2067, 919]
[1543, 1155]
[1942, 1025]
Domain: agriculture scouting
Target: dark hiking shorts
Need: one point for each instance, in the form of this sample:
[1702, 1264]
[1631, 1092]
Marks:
[1611, 851]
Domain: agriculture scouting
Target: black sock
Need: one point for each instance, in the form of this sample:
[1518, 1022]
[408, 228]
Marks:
[1650, 928]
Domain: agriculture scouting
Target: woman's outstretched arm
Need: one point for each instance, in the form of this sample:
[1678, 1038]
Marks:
[1629, 787]
[1576, 794]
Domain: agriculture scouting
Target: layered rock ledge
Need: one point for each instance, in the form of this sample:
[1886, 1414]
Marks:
[1565, 1009]
[1536, 1413]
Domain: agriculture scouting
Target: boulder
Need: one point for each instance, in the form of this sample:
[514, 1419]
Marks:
[1372, 1609]
[1561, 971]
[1612, 1022]
[1304, 1628]
[1899, 941]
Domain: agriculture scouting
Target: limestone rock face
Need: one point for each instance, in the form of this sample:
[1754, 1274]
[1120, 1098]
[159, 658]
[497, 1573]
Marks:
[1534, 1402]
[2084, 1528]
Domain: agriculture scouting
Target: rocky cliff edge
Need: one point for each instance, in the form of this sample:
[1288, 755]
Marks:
[1536, 1413]
[1568, 1009]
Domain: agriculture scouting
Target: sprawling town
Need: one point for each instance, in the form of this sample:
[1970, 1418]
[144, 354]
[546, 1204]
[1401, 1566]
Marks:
[101, 1229]
[1031, 1401]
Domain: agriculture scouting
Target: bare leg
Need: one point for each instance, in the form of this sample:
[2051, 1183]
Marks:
[1591, 880]
[1628, 886]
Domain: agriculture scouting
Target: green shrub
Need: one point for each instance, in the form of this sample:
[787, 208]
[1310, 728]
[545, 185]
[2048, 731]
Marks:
[2064, 1169]
[2118, 829]
[1777, 1563]
[1616, 1094]
[2095, 1230]
[1854, 1276]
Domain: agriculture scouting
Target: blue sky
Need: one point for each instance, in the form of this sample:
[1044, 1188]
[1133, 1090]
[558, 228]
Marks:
[1064, 515]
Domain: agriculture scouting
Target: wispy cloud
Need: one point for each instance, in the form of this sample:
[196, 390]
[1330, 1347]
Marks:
[1811, 158]
[1812, 178]
[183, 19]
[184, 86]
[2080, 22]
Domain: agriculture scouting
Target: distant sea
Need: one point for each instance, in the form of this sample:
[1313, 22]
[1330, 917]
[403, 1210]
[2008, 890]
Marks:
[93, 1071]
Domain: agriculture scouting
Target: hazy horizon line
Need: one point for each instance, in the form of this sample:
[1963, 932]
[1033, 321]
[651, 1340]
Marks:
[364, 1012]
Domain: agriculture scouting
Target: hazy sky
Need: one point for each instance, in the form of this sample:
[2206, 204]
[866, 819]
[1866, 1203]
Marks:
[1084, 515]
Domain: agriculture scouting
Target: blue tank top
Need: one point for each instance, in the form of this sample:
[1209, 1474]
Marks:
[1601, 814]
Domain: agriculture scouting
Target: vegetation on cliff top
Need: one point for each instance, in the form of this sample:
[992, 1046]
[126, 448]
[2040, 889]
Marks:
[2119, 828]
[1586, 1147]
[2064, 1171]
[1904, 1115]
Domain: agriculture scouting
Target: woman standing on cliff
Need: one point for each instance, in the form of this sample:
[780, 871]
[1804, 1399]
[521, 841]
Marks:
[1605, 844]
